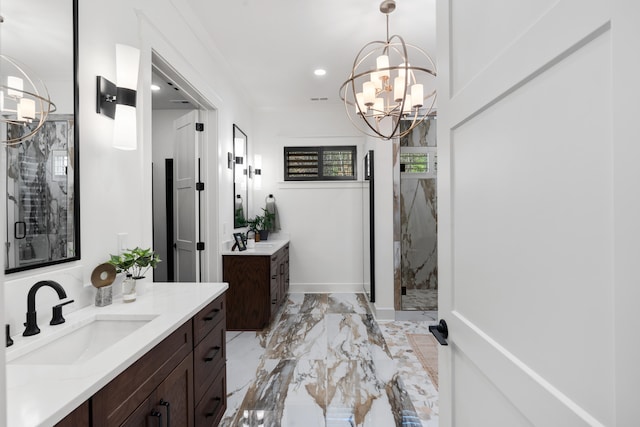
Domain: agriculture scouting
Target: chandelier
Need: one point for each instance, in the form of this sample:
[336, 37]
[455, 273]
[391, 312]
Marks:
[386, 87]
[24, 102]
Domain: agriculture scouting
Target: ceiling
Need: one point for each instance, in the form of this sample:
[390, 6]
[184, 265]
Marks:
[168, 96]
[273, 47]
[50, 54]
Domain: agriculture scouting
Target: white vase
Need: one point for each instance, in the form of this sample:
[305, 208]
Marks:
[129, 289]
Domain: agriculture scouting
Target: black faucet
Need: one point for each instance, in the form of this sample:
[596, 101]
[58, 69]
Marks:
[32, 324]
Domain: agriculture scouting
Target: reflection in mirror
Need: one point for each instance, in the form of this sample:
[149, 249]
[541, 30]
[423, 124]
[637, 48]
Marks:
[240, 178]
[43, 225]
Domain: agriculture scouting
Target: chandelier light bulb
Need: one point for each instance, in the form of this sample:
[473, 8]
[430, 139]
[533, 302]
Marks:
[402, 71]
[398, 89]
[26, 110]
[361, 108]
[417, 95]
[369, 91]
[15, 86]
[378, 107]
[407, 105]
[382, 62]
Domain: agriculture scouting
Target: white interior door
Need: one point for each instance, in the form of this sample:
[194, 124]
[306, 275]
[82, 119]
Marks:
[185, 200]
[536, 199]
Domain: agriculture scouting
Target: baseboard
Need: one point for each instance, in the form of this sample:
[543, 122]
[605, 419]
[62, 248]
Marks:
[325, 288]
[383, 314]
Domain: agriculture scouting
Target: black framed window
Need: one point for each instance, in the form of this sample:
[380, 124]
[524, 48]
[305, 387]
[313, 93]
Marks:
[325, 163]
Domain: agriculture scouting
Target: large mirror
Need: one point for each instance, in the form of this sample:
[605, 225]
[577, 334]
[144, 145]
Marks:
[43, 223]
[240, 178]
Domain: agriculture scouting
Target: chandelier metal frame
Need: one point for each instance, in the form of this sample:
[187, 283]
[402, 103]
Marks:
[38, 92]
[370, 115]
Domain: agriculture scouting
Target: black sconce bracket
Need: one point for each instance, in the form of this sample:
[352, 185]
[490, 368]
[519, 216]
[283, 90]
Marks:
[108, 95]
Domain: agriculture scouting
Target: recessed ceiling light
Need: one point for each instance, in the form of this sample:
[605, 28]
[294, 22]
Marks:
[320, 72]
[155, 87]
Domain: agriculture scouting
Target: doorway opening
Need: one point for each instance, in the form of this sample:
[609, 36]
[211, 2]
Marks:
[180, 125]
[418, 218]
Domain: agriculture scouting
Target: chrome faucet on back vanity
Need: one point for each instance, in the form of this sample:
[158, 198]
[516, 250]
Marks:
[32, 323]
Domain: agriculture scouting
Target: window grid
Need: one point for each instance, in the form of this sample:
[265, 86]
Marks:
[324, 163]
[415, 162]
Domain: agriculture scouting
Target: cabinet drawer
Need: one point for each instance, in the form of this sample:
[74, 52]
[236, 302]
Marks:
[208, 318]
[211, 408]
[208, 356]
[118, 399]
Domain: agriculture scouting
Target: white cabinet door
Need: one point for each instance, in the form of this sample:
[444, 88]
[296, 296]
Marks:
[537, 194]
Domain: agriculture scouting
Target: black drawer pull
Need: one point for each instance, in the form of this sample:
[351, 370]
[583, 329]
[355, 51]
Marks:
[281, 268]
[274, 277]
[212, 315]
[158, 415]
[212, 355]
[166, 405]
[215, 408]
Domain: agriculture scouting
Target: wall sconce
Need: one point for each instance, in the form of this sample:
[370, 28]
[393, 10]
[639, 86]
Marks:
[258, 164]
[120, 101]
[257, 181]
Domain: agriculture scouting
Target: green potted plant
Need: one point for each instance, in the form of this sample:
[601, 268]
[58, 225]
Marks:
[255, 224]
[135, 263]
[268, 224]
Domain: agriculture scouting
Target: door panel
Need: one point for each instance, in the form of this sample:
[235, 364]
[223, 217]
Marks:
[526, 173]
[541, 201]
[478, 400]
[185, 201]
[474, 48]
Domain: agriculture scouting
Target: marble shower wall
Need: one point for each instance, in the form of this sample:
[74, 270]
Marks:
[418, 225]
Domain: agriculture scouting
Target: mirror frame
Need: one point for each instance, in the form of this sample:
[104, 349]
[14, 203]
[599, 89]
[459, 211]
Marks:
[76, 160]
[237, 133]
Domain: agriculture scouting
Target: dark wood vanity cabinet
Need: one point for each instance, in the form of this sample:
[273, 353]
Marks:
[258, 286]
[79, 417]
[209, 363]
[181, 382]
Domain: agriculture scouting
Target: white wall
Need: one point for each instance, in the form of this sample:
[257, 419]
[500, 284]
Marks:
[324, 220]
[115, 186]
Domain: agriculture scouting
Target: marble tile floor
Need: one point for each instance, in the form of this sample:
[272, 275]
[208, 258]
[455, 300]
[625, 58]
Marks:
[326, 362]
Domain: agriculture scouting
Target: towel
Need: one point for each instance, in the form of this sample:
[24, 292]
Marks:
[270, 206]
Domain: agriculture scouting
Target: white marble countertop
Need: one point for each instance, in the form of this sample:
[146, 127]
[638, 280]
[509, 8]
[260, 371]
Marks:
[262, 248]
[41, 395]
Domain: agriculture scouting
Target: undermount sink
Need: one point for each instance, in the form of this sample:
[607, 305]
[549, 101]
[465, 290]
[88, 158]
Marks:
[82, 342]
